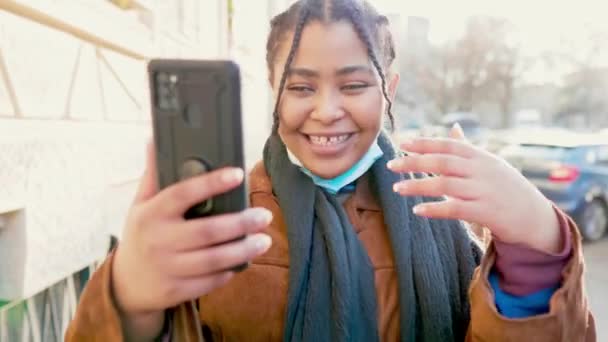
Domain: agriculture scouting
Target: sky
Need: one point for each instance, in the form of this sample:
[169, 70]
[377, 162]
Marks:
[540, 24]
[540, 18]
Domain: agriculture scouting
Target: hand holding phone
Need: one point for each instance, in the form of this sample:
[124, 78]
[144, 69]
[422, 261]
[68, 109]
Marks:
[164, 260]
[188, 226]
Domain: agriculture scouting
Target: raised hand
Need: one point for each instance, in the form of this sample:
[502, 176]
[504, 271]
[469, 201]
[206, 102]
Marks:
[479, 188]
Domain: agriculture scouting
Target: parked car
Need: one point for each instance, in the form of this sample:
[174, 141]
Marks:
[498, 139]
[572, 171]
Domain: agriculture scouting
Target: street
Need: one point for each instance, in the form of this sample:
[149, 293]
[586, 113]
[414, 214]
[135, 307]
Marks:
[596, 257]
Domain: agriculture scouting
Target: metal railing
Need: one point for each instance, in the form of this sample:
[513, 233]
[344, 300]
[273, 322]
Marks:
[46, 315]
[38, 15]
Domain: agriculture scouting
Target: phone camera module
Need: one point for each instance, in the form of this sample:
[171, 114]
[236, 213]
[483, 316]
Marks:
[167, 94]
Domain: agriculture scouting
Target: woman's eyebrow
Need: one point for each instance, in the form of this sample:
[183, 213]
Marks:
[303, 72]
[347, 70]
[353, 69]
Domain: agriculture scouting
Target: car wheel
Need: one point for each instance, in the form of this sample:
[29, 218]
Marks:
[594, 221]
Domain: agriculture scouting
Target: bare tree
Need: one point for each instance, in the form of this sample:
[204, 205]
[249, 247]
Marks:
[585, 86]
[484, 65]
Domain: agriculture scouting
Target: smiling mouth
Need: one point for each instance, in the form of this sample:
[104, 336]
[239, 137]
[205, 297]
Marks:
[328, 140]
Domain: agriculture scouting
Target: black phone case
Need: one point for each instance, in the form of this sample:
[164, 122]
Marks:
[196, 112]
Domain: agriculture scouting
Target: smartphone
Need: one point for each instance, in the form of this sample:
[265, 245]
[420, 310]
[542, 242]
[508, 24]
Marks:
[196, 114]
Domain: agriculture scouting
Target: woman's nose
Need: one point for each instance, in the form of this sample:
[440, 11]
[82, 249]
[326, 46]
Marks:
[328, 108]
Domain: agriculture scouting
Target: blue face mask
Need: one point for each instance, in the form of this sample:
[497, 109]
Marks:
[334, 185]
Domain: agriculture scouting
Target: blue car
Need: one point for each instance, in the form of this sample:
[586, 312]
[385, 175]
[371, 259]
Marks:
[572, 171]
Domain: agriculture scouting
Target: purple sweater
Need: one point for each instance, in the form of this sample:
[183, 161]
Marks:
[522, 271]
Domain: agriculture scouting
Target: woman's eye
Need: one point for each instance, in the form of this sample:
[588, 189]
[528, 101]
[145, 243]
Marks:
[355, 86]
[300, 89]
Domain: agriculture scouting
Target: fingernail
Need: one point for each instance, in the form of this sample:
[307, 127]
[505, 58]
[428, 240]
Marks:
[419, 210]
[456, 132]
[262, 242]
[397, 187]
[390, 164]
[260, 216]
[232, 175]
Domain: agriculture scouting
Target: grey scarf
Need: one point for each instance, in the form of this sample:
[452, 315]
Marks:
[332, 294]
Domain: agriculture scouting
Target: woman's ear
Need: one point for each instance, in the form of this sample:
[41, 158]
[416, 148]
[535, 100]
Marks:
[393, 83]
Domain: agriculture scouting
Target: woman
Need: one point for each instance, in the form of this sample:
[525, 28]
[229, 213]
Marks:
[364, 244]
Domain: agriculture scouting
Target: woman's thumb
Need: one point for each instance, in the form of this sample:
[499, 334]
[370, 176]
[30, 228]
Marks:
[148, 184]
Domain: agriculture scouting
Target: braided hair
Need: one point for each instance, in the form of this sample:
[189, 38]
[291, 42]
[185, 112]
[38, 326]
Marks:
[370, 26]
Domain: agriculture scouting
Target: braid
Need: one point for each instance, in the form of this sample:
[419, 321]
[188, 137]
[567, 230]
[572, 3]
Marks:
[357, 20]
[297, 35]
[384, 92]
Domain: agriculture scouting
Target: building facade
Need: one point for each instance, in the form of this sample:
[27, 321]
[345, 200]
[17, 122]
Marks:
[74, 122]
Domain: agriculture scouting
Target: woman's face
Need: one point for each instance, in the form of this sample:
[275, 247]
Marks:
[332, 105]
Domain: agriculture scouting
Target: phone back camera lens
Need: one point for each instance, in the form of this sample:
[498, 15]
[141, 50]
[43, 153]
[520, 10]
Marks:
[174, 103]
[163, 104]
[163, 91]
[162, 77]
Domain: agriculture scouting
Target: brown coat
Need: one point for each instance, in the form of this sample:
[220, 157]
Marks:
[251, 307]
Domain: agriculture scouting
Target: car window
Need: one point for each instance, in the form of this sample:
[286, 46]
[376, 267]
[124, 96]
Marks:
[601, 155]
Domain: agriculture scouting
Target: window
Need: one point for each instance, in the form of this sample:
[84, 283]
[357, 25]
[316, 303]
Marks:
[187, 18]
[601, 157]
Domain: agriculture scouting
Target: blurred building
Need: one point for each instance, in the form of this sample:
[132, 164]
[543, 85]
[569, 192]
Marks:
[74, 122]
[582, 101]
[413, 50]
[417, 37]
[542, 97]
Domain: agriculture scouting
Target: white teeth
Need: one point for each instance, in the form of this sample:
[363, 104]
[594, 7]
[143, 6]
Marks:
[328, 141]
